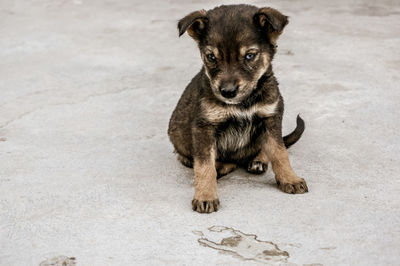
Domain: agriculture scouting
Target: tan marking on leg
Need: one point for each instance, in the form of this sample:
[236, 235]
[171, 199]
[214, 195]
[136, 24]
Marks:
[286, 178]
[205, 182]
[262, 157]
[205, 185]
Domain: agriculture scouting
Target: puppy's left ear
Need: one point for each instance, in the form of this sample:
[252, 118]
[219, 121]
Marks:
[271, 21]
[195, 24]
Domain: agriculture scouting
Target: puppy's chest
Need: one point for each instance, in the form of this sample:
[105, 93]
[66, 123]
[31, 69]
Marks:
[237, 133]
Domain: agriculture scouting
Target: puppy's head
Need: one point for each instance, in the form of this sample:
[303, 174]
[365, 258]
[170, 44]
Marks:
[237, 44]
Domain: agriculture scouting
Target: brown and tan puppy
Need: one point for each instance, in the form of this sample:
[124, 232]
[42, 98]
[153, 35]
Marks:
[230, 114]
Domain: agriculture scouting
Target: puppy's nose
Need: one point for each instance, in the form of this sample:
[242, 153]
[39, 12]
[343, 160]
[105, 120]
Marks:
[229, 90]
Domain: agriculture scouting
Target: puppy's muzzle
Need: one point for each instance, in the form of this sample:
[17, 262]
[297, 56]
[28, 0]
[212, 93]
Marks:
[229, 90]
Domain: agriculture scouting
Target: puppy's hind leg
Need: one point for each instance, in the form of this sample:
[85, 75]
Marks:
[224, 168]
[259, 164]
[186, 161]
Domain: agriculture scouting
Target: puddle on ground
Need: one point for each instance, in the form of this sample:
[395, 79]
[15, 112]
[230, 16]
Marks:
[59, 261]
[241, 245]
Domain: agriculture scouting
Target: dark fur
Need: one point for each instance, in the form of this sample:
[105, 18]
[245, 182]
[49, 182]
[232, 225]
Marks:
[191, 130]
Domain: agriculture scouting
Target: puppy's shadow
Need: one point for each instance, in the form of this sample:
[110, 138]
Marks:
[240, 176]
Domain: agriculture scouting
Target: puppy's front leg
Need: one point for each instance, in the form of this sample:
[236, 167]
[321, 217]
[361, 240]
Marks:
[276, 151]
[205, 175]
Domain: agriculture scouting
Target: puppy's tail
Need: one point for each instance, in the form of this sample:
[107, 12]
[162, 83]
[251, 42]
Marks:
[293, 137]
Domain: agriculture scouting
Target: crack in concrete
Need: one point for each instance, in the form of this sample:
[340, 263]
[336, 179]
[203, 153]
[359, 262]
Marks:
[63, 103]
[27, 95]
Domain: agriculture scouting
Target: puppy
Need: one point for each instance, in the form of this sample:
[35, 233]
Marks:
[230, 114]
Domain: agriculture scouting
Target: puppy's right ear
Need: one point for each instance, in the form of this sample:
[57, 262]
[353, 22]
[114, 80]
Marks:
[195, 24]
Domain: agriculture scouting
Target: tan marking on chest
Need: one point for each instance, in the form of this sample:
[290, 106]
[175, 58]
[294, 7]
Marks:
[215, 113]
[234, 137]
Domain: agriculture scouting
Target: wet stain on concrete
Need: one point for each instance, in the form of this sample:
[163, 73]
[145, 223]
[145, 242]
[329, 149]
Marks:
[154, 21]
[166, 68]
[395, 64]
[368, 10]
[328, 248]
[59, 261]
[242, 246]
[375, 11]
[198, 233]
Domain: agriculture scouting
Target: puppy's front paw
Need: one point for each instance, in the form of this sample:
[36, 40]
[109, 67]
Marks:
[296, 187]
[205, 206]
[257, 167]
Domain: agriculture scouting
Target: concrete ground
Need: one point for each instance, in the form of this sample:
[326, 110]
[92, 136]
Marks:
[88, 175]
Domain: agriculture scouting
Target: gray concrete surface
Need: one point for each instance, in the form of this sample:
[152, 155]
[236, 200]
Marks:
[87, 171]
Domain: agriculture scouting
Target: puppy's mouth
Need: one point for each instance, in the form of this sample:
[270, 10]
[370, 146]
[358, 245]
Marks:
[231, 101]
[229, 98]
[231, 93]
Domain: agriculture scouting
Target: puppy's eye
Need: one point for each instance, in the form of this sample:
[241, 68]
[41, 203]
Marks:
[211, 57]
[250, 56]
